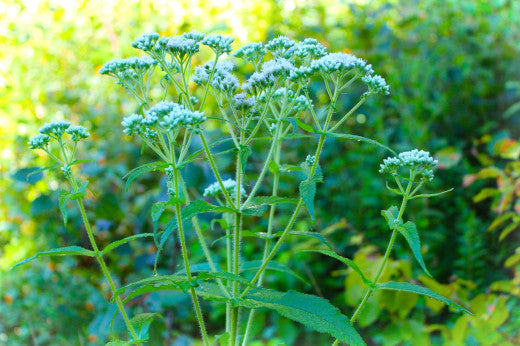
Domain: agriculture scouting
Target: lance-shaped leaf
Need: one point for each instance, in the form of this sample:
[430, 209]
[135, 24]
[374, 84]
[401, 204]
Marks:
[272, 265]
[134, 173]
[391, 216]
[307, 193]
[141, 324]
[62, 251]
[361, 139]
[345, 260]
[427, 195]
[312, 311]
[258, 205]
[120, 242]
[408, 287]
[179, 281]
[64, 198]
[409, 232]
[315, 235]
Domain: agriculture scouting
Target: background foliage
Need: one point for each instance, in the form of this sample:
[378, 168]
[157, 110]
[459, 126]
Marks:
[454, 73]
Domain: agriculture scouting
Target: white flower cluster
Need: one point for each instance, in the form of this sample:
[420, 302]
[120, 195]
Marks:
[230, 185]
[223, 79]
[78, 133]
[419, 161]
[146, 42]
[309, 47]
[376, 84]
[340, 63]
[165, 116]
[242, 102]
[128, 68]
[219, 43]
[56, 128]
[181, 46]
[39, 141]
[280, 46]
[271, 70]
[252, 52]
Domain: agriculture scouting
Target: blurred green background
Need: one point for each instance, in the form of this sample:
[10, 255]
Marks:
[454, 71]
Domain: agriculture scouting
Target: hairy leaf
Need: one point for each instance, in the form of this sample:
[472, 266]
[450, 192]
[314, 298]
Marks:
[258, 205]
[307, 193]
[62, 251]
[345, 260]
[142, 322]
[409, 231]
[148, 167]
[272, 265]
[120, 242]
[408, 287]
[391, 216]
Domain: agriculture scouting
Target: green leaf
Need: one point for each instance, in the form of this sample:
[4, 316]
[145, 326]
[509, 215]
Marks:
[117, 243]
[408, 287]
[258, 205]
[178, 281]
[409, 231]
[119, 342]
[391, 216]
[64, 198]
[315, 235]
[245, 152]
[312, 311]
[431, 194]
[347, 261]
[153, 288]
[307, 193]
[396, 191]
[225, 276]
[157, 211]
[361, 139]
[272, 265]
[273, 167]
[148, 167]
[142, 323]
[222, 339]
[292, 121]
[62, 251]
[81, 192]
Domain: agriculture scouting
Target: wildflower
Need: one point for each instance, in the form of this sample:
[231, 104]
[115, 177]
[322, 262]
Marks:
[259, 81]
[310, 159]
[56, 128]
[376, 85]
[243, 103]
[308, 48]
[146, 42]
[194, 35]
[219, 43]
[252, 52]
[418, 161]
[230, 185]
[77, 133]
[180, 46]
[340, 63]
[39, 141]
[66, 170]
[280, 46]
[132, 124]
[300, 75]
[278, 67]
[222, 80]
[301, 104]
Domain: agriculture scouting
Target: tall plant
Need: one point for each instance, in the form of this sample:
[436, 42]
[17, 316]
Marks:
[274, 103]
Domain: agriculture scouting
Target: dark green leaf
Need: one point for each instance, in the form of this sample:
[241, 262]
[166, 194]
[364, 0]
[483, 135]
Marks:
[62, 251]
[431, 194]
[272, 265]
[81, 192]
[224, 276]
[134, 173]
[391, 216]
[315, 235]
[408, 287]
[30, 175]
[64, 198]
[361, 139]
[142, 323]
[117, 243]
[307, 193]
[292, 121]
[409, 231]
[396, 191]
[258, 205]
[345, 260]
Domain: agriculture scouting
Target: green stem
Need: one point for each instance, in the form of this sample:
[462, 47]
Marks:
[346, 116]
[102, 263]
[184, 249]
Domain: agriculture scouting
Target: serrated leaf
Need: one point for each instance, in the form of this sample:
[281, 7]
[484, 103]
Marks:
[258, 205]
[292, 121]
[409, 232]
[81, 192]
[245, 152]
[312, 311]
[148, 167]
[224, 276]
[64, 198]
[142, 322]
[62, 251]
[391, 216]
[361, 139]
[157, 211]
[345, 260]
[272, 265]
[307, 193]
[315, 235]
[181, 282]
[408, 287]
[427, 195]
[120, 242]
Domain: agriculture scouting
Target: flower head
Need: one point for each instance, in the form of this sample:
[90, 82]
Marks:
[252, 52]
[132, 124]
[230, 185]
[308, 48]
[340, 63]
[182, 46]
[376, 85]
[280, 46]
[39, 141]
[418, 161]
[243, 103]
[219, 43]
[78, 133]
[146, 42]
[223, 79]
[56, 128]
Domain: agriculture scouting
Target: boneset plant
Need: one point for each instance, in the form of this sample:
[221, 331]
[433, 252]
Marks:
[268, 106]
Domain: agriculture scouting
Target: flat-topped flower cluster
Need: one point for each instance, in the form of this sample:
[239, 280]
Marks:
[418, 161]
[55, 130]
